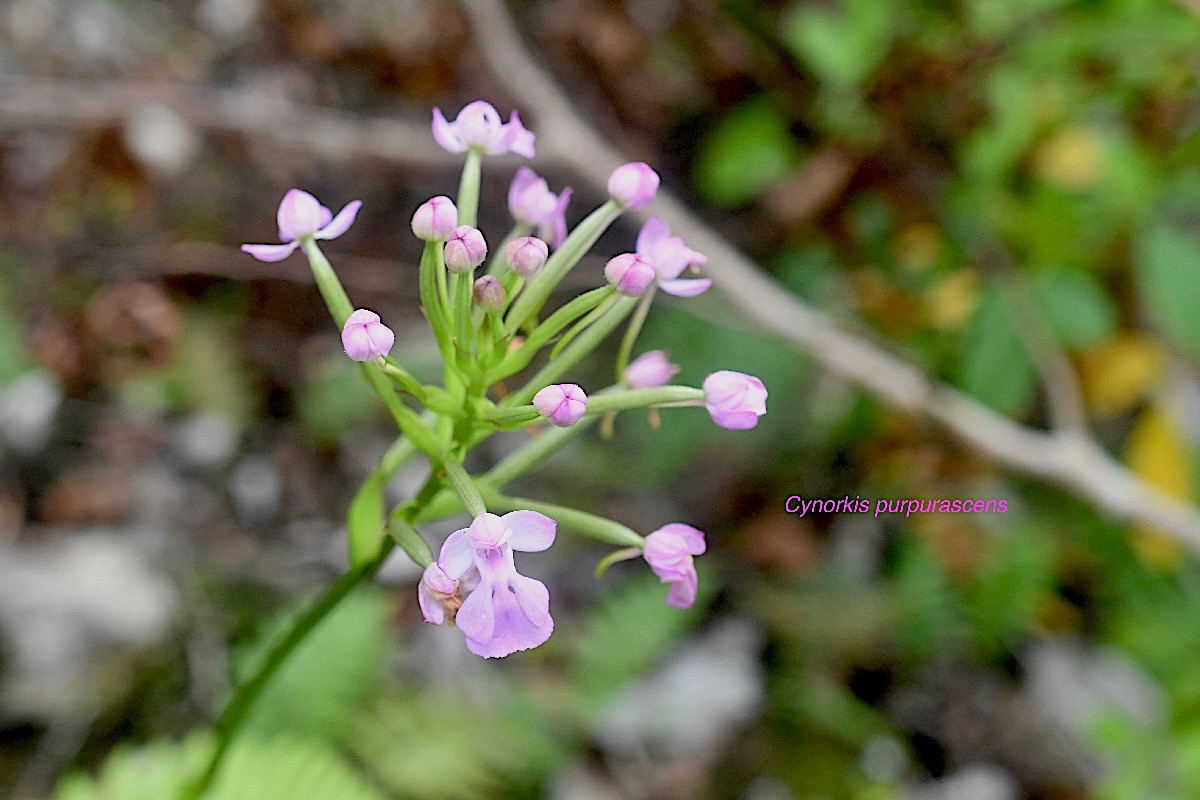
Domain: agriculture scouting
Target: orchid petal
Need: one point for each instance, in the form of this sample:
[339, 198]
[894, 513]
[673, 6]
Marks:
[532, 532]
[271, 252]
[341, 223]
[457, 555]
[685, 287]
[446, 134]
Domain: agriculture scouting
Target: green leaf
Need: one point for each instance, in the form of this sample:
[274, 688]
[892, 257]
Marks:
[747, 151]
[1168, 275]
[254, 769]
[364, 520]
[329, 675]
[842, 49]
[448, 747]
[993, 366]
[1076, 307]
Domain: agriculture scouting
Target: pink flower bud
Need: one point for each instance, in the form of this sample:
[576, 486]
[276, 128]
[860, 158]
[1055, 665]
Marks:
[365, 338]
[650, 370]
[489, 293]
[735, 400]
[563, 404]
[466, 249]
[633, 185]
[435, 220]
[630, 274]
[527, 255]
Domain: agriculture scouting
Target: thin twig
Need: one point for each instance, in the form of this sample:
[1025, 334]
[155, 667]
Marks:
[1063, 457]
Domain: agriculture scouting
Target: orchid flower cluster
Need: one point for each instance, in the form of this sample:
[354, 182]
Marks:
[485, 306]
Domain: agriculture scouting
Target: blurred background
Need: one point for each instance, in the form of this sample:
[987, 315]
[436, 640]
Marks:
[181, 434]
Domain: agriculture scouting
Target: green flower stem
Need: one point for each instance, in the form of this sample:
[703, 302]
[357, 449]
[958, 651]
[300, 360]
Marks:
[631, 333]
[328, 284]
[583, 324]
[544, 332]
[560, 263]
[402, 378]
[643, 398]
[406, 419]
[590, 525]
[464, 326]
[513, 417]
[468, 189]
[548, 442]
[465, 488]
[431, 295]
[573, 354]
[244, 696]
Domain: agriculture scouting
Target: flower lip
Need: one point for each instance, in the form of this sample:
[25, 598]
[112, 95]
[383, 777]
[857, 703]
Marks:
[531, 202]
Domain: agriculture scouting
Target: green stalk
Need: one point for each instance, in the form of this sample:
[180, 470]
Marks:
[468, 189]
[631, 333]
[547, 330]
[406, 419]
[643, 398]
[578, 349]
[560, 263]
[463, 324]
[431, 297]
[244, 697]
[328, 284]
[582, 325]
[590, 525]
[465, 488]
[402, 378]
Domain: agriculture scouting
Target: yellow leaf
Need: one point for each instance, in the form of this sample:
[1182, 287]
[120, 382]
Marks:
[1120, 373]
[1072, 159]
[950, 303]
[1158, 454]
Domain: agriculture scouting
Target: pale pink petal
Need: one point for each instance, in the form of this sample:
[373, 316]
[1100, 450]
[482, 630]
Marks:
[457, 555]
[524, 178]
[686, 287]
[299, 215]
[511, 631]
[693, 538]
[533, 597]
[477, 616]
[270, 252]
[446, 134]
[341, 223]
[432, 610]
[683, 592]
[522, 140]
[532, 532]
[655, 229]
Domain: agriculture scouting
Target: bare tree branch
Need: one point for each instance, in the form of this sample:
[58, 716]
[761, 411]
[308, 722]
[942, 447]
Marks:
[1066, 457]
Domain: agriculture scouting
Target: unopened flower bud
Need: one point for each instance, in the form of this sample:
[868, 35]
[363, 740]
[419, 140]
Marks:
[527, 255]
[633, 185]
[563, 404]
[435, 220]
[650, 370]
[365, 338]
[489, 293]
[630, 274]
[735, 400]
[466, 249]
